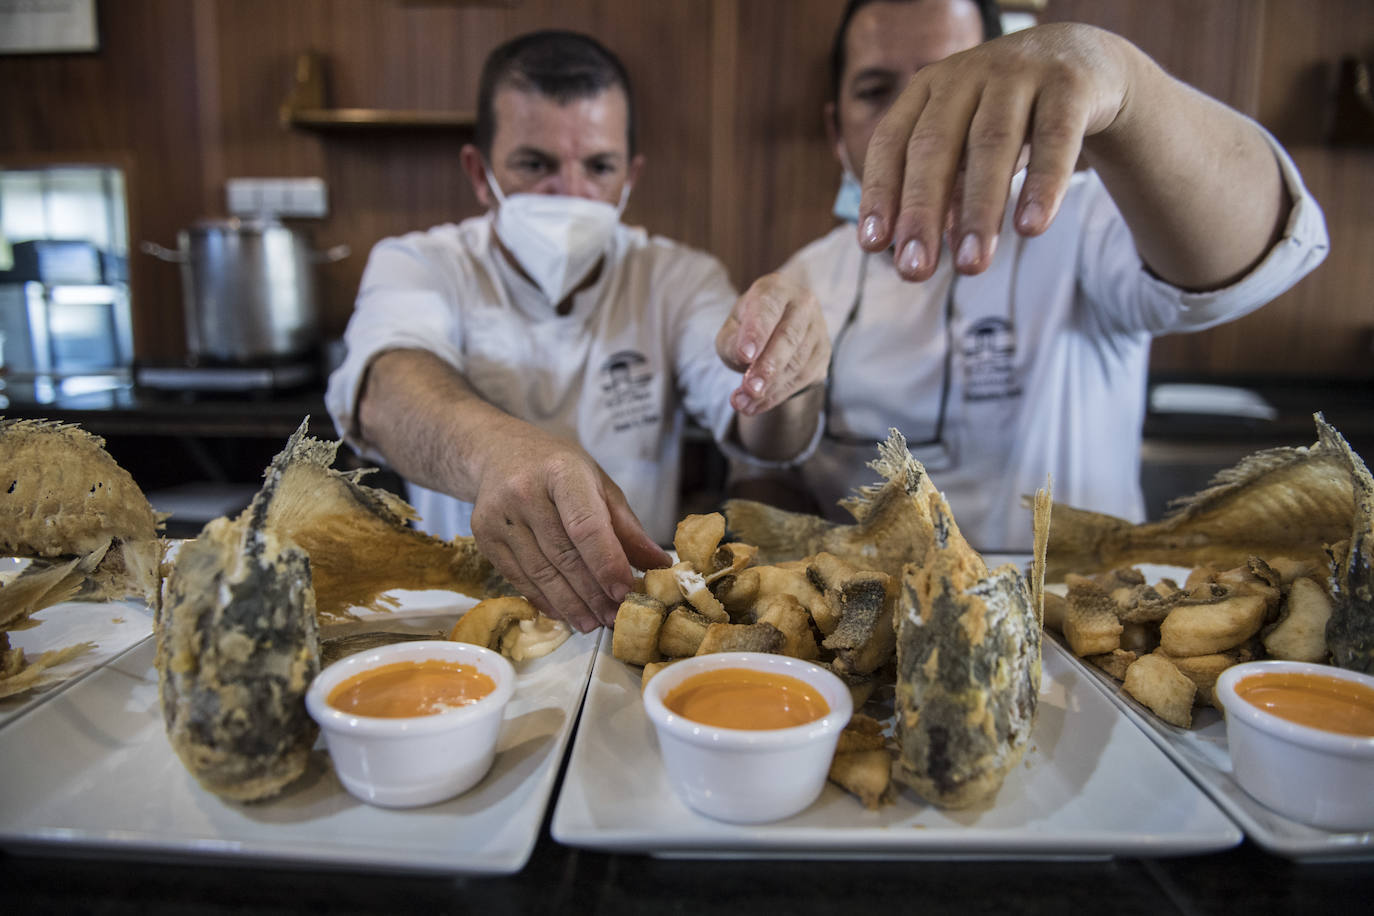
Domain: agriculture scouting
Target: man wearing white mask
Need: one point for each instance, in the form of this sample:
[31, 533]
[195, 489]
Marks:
[998, 306]
[529, 372]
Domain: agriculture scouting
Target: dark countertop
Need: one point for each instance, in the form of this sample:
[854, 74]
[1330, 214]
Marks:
[131, 411]
[558, 879]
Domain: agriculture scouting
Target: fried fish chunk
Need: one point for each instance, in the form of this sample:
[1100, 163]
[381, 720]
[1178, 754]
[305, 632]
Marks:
[741, 637]
[1300, 632]
[682, 632]
[785, 612]
[692, 585]
[1201, 629]
[486, 623]
[634, 638]
[865, 774]
[696, 539]
[1155, 682]
[1091, 624]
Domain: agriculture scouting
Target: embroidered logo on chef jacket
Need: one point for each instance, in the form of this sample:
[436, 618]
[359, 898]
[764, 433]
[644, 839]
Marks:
[627, 393]
[989, 352]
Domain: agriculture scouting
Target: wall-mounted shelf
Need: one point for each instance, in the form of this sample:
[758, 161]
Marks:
[1352, 116]
[374, 119]
[306, 107]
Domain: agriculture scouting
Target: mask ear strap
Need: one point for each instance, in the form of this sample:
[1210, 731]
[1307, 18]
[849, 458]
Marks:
[844, 163]
[624, 198]
[491, 183]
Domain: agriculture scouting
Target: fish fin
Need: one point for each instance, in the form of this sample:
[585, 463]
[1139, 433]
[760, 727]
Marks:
[1043, 504]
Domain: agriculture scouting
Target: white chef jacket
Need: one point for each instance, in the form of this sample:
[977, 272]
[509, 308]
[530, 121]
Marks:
[615, 375]
[1048, 359]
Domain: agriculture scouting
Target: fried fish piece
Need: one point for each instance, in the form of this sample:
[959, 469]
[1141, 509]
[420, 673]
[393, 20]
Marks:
[485, 624]
[741, 637]
[1300, 632]
[1203, 670]
[237, 647]
[1289, 501]
[1091, 624]
[1114, 662]
[63, 496]
[865, 774]
[742, 592]
[1155, 682]
[358, 538]
[893, 525]
[968, 665]
[634, 638]
[785, 612]
[1202, 629]
[692, 585]
[696, 539]
[682, 632]
[1350, 630]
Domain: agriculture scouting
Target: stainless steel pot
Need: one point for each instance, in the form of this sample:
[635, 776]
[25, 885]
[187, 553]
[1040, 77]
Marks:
[248, 289]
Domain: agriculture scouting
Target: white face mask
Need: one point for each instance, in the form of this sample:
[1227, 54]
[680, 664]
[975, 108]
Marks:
[850, 194]
[556, 239]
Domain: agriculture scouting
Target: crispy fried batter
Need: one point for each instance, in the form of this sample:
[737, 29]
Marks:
[1157, 683]
[741, 637]
[634, 638]
[488, 621]
[682, 632]
[697, 538]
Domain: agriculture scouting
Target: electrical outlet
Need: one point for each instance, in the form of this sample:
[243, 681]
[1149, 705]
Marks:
[302, 197]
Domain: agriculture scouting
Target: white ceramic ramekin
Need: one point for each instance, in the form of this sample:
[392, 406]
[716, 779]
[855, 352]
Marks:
[1317, 777]
[748, 776]
[419, 760]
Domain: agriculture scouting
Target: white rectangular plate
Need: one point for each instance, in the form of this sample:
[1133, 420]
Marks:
[92, 767]
[1202, 753]
[1090, 786]
[112, 626]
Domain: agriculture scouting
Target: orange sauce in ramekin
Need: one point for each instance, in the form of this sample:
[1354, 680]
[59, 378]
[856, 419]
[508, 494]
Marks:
[1331, 704]
[416, 688]
[748, 699]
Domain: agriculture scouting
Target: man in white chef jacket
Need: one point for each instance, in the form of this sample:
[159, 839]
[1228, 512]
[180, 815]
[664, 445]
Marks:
[528, 372]
[998, 308]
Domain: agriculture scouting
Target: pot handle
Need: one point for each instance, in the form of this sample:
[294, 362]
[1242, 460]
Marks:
[162, 254]
[329, 256]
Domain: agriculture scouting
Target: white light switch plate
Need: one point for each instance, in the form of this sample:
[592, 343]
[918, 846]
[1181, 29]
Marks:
[306, 197]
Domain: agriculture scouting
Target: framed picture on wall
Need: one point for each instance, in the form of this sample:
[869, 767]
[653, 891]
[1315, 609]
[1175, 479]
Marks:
[48, 27]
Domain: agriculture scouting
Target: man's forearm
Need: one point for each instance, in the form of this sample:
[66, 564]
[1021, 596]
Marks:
[783, 432]
[432, 427]
[1196, 182]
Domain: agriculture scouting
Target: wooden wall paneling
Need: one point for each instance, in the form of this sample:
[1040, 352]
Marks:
[1331, 314]
[787, 175]
[726, 195]
[1281, 53]
[1211, 44]
[131, 104]
[1324, 326]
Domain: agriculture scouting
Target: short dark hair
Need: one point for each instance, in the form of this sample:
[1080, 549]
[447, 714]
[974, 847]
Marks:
[988, 9]
[560, 65]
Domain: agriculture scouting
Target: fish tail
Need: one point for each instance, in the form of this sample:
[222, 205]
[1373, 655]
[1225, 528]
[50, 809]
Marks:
[1083, 541]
